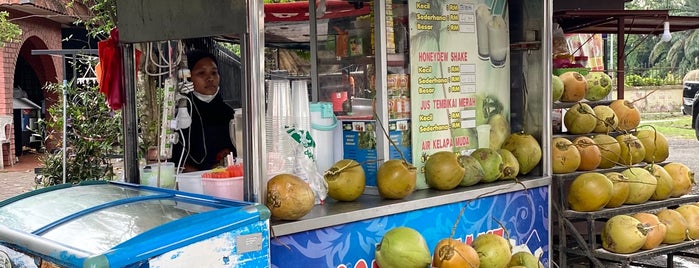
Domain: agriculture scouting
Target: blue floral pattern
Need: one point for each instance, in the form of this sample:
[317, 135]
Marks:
[523, 214]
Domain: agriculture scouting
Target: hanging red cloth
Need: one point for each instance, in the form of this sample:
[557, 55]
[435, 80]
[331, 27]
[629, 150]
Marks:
[110, 71]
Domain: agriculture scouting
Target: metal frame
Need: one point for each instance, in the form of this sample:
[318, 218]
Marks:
[63, 53]
[252, 45]
[586, 243]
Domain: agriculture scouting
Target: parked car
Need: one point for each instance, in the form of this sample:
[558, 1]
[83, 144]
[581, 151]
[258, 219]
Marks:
[689, 89]
[695, 114]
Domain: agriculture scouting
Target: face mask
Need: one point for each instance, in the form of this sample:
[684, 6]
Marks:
[205, 98]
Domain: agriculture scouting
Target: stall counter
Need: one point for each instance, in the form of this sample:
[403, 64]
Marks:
[344, 234]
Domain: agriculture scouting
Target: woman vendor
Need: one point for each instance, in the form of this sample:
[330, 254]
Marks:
[207, 142]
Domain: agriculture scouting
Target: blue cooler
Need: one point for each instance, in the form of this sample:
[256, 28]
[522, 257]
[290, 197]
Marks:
[109, 224]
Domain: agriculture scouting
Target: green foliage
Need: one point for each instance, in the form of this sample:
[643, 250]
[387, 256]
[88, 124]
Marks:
[9, 32]
[93, 134]
[103, 17]
[681, 54]
[235, 48]
[652, 80]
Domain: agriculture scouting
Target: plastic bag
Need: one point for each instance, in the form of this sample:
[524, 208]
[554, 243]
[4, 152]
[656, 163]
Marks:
[110, 73]
[305, 167]
[560, 45]
[110, 60]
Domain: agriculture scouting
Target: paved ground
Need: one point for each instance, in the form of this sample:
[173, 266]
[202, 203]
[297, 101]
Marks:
[19, 178]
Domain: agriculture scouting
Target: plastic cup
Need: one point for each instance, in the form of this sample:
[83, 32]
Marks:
[299, 105]
[483, 132]
[483, 17]
[498, 41]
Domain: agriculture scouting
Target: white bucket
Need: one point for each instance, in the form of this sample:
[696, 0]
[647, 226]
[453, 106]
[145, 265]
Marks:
[190, 182]
[323, 126]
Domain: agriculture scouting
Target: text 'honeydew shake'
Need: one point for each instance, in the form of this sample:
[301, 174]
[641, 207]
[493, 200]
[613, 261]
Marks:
[498, 43]
[483, 17]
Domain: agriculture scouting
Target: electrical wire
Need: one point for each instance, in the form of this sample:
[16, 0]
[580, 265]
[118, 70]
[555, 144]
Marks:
[167, 63]
[203, 136]
[182, 154]
[150, 60]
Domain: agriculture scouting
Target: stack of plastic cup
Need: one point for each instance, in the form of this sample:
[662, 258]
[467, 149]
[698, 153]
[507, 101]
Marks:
[279, 151]
[301, 117]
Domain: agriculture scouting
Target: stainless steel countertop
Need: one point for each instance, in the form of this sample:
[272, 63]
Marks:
[372, 206]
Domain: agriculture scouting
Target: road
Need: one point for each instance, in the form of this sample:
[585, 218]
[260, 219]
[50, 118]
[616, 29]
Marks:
[685, 151]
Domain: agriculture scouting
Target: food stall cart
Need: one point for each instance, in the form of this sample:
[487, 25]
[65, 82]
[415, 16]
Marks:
[110, 224]
[344, 234]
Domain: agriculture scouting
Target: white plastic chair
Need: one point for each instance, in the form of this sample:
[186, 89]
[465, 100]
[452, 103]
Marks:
[4, 122]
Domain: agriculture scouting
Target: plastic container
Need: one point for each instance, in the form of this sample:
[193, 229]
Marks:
[323, 125]
[149, 175]
[231, 188]
[190, 182]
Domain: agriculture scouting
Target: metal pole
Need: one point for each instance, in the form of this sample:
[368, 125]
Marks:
[65, 122]
[383, 145]
[254, 150]
[63, 53]
[314, 50]
[620, 60]
[129, 121]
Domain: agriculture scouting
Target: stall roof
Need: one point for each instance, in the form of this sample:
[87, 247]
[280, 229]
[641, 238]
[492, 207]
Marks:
[634, 21]
[619, 21]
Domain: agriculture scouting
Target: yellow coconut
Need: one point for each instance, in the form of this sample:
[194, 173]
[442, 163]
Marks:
[682, 176]
[610, 150]
[565, 156]
[655, 143]
[589, 191]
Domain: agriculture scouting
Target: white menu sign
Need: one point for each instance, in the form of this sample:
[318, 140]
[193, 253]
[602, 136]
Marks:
[460, 75]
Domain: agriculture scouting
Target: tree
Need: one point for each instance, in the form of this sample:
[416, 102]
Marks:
[9, 32]
[93, 130]
[682, 52]
[88, 144]
[103, 19]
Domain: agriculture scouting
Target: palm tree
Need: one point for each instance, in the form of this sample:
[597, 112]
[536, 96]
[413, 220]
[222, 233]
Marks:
[681, 53]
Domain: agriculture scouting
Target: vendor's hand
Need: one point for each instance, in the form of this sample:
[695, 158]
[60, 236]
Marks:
[221, 157]
[189, 168]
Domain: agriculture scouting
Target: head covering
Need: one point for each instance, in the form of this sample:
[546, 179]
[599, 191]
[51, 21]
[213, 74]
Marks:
[195, 55]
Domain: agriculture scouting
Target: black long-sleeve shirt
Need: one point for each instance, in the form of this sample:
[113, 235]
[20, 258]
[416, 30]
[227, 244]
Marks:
[207, 141]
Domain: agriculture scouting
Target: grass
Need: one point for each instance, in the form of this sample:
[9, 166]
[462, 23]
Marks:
[671, 125]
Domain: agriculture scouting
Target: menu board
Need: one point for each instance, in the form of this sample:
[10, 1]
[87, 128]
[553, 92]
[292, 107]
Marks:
[460, 75]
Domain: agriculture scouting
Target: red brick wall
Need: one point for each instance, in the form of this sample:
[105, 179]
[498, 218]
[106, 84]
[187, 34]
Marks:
[37, 33]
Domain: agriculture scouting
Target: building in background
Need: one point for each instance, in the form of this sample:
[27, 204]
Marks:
[46, 25]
